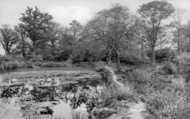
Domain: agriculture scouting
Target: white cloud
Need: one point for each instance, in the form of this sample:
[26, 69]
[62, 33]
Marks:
[65, 15]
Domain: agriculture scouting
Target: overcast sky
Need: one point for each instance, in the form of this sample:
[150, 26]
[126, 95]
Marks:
[64, 11]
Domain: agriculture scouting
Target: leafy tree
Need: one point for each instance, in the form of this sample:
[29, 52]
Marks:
[65, 43]
[154, 13]
[23, 45]
[112, 27]
[139, 33]
[76, 29]
[9, 39]
[75, 34]
[187, 35]
[178, 30]
[37, 25]
[53, 37]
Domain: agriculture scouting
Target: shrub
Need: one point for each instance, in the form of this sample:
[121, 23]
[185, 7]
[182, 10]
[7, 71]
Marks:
[87, 51]
[132, 58]
[8, 66]
[183, 61]
[169, 68]
[163, 54]
[36, 58]
[10, 63]
[139, 79]
[63, 55]
[165, 105]
[184, 114]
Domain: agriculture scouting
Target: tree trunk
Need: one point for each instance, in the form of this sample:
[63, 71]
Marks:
[153, 45]
[7, 51]
[109, 57]
[179, 42]
[118, 61]
[153, 56]
[142, 49]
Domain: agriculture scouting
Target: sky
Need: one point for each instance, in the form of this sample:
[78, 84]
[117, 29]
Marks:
[64, 11]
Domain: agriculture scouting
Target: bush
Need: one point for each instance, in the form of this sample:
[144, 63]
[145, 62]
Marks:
[183, 62]
[169, 68]
[139, 80]
[10, 63]
[88, 51]
[36, 58]
[184, 114]
[63, 55]
[132, 58]
[165, 105]
[9, 66]
[163, 54]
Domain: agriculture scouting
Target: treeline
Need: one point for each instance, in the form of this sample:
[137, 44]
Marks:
[112, 35]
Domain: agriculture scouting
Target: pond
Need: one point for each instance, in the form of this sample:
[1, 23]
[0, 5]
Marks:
[60, 94]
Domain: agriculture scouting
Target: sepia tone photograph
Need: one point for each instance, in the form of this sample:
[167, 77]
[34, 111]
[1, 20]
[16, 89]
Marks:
[94, 59]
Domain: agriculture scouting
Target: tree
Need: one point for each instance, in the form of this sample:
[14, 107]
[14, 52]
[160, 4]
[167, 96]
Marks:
[154, 13]
[75, 32]
[37, 25]
[9, 39]
[186, 39]
[76, 29]
[65, 43]
[53, 37]
[178, 29]
[112, 27]
[23, 45]
[140, 35]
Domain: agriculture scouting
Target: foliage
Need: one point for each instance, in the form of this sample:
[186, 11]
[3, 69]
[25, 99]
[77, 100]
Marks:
[184, 113]
[183, 62]
[154, 13]
[112, 27]
[89, 51]
[139, 80]
[169, 68]
[37, 25]
[133, 58]
[10, 63]
[165, 105]
[162, 55]
[9, 39]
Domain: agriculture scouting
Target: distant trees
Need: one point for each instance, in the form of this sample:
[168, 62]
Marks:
[9, 39]
[154, 13]
[112, 35]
